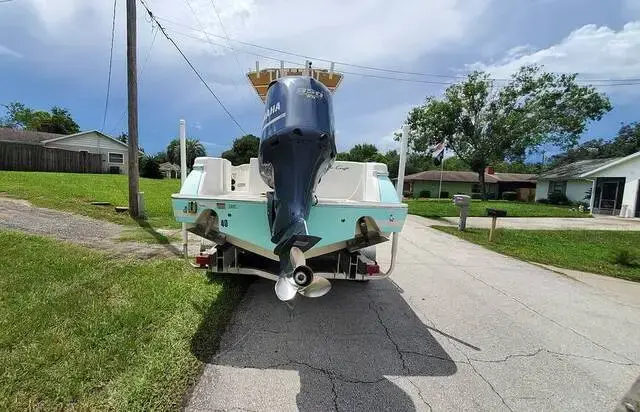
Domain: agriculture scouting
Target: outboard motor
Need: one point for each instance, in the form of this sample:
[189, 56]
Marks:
[296, 150]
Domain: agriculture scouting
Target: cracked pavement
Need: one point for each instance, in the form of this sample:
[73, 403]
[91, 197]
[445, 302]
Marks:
[457, 328]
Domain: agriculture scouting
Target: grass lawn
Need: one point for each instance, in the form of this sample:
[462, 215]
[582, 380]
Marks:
[74, 192]
[82, 331]
[445, 208]
[586, 250]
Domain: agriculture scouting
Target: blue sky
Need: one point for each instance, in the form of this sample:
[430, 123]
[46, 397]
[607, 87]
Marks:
[57, 54]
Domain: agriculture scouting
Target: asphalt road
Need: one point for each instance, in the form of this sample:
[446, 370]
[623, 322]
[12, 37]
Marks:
[458, 328]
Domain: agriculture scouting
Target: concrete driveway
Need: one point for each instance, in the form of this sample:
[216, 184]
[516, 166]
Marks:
[458, 328]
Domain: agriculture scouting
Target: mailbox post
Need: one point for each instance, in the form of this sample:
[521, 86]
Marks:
[495, 214]
[463, 202]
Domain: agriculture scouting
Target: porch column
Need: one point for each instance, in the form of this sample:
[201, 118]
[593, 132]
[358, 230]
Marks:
[593, 195]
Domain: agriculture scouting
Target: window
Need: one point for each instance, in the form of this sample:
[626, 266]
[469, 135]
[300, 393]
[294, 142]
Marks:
[116, 158]
[475, 188]
[558, 187]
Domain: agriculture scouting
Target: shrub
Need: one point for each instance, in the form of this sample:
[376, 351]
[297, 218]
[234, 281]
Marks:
[624, 257]
[585, 205]
[444, 195]
[557, 198]
[491, 196]
[509, 196]
[425, 193]
[543, 201]
[150, 168]
[407, 195]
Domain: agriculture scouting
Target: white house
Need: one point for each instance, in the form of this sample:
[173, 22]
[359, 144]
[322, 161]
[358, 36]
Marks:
[609, 185]
[115, 154]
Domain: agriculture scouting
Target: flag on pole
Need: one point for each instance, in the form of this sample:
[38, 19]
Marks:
[437, 152]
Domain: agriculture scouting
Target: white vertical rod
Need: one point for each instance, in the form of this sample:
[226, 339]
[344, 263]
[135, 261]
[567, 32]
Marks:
[403, 160]
[183, 176]
[441, 172]
[404, 141]
[331, 71]
[281, 68]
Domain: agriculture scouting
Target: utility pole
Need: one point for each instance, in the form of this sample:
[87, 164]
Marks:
[132, 87]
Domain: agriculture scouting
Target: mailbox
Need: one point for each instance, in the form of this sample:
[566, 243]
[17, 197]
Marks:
[496, 213]
[461, 200]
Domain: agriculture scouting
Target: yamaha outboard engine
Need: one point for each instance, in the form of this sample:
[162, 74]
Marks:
[296, 150]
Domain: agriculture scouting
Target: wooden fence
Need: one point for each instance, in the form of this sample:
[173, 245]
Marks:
[36, 158]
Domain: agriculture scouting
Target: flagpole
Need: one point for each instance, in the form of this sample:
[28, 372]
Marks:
[441, 171]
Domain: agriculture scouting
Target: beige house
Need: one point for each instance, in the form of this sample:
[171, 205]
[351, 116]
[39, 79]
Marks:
[427, 184]
[170, 170]
[114, 153]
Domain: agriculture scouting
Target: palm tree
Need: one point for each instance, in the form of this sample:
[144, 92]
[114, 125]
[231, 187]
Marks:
[194, 149]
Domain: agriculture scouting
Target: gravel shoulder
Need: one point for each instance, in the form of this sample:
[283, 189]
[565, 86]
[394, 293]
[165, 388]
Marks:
[20, 215]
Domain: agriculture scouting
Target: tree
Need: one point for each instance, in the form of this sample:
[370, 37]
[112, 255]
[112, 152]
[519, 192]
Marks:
[484, 125]
[626, 142]
[149, 167]
[194, 149]
[123, 137]
[161, 157]
[364, 152]
[59, 120]
[454, 163]
[243, 149]
[17, 117]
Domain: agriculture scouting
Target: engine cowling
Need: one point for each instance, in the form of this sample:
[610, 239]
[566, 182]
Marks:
[296, 149]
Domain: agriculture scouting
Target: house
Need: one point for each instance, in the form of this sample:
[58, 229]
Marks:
[464, 182]
[114, 153]
[609, 185]
[170, 170]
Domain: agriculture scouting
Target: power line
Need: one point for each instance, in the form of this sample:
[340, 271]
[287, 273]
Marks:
[229, 47]
[302, 65]
[186, 59]
[367, 75]
[113, 33]
[142, 68]
[226, 35]
[195, 15]
[410, 73]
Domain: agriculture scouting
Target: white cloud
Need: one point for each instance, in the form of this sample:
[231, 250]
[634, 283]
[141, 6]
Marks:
[595, 52]
[377, 127]
[8, 51]
[357, 31]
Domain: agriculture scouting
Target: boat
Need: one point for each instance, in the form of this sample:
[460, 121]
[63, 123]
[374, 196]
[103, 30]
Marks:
[294, 214]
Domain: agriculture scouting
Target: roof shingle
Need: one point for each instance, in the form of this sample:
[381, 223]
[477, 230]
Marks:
[25, 136]
[575, 169]
[469, 177]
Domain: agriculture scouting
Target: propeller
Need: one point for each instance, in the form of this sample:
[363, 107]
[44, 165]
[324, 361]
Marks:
[300, 280]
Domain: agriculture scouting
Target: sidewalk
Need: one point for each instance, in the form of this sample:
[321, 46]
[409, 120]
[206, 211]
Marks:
[546, 223]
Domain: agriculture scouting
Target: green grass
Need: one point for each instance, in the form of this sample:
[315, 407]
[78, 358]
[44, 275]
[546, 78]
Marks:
[82, 331]
[586, 250]
[74, 192]
[139, 234]
[445, 208]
